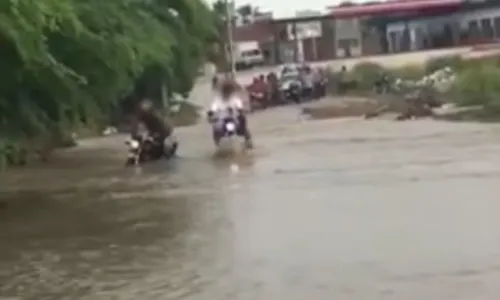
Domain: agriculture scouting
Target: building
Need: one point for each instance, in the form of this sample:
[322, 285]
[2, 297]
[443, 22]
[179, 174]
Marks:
[260, 31]
[293, 39]
[254, 17]
[303, 39]
[308, 13]
[378, 28]
[412, 25]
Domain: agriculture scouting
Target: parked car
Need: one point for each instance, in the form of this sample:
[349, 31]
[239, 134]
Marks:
[248, 55]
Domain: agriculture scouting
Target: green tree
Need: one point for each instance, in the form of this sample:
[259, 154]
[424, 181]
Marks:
[71, 62]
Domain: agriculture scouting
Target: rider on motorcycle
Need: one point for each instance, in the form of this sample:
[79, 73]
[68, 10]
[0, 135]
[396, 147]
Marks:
[229, 100]
[157, 128]
[258, 87]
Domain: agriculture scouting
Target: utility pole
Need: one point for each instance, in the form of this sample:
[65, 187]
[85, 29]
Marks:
[295, 43]
[229, 28]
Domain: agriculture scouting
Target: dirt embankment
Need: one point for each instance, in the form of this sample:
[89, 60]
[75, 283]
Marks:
[351, 106]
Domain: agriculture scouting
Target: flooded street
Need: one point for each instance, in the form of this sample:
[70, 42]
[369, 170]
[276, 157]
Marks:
[336, 209]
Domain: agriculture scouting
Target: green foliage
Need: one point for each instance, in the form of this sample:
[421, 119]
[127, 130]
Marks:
[455, 62]
[408, 72]
[477, 81]
[68, 62]
[218, 49]
[479, 86]
[480, 61]
[366, 74]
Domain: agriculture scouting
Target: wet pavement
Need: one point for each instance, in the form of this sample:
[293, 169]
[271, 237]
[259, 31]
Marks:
[337, 209]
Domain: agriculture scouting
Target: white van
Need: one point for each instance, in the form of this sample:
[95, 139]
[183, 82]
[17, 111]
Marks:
[248, 54]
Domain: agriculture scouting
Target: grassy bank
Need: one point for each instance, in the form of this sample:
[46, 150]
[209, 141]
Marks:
[475, 87]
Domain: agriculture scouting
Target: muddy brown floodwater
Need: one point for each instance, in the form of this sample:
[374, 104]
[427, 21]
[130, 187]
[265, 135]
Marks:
[344, 209]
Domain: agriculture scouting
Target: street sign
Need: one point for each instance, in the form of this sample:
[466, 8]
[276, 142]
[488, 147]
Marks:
[304, 30]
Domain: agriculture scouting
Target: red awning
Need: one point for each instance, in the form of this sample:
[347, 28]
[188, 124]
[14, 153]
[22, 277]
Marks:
[391, 7]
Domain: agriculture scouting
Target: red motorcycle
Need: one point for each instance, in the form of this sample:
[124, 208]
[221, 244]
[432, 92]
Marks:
[258, 101]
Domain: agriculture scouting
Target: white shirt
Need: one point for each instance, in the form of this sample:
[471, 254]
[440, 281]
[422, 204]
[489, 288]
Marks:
[220, 107]
[308, 80]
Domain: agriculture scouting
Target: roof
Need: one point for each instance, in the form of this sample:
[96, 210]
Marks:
[298, 19]
[397, 6]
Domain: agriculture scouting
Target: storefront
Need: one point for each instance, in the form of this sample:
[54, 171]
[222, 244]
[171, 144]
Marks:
[400, 26]
[303, 39]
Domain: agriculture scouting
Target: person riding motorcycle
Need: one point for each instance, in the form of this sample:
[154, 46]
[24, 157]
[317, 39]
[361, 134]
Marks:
[229, 100]
[258, 88]
[155, 125]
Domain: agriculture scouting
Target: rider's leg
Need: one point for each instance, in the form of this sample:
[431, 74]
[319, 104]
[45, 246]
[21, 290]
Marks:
[244, 131]
[216, 136]
[158, 147]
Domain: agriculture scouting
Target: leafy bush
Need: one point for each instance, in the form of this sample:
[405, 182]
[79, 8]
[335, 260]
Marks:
[366, 74]
[437, 63]
[408, 72]
[478, 86]
[481, 61]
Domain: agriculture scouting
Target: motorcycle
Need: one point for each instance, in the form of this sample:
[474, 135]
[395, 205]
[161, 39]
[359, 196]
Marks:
[291, 89]
[230, 127]
[257, 101]
[225, 128]
[292, 93]
[320, 88]
[146, 148]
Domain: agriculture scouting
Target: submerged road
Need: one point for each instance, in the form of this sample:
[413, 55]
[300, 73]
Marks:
[336, 209]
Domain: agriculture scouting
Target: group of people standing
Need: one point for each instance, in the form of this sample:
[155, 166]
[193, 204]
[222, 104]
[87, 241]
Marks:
[311, 84]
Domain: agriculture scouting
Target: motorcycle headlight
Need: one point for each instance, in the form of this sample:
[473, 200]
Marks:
[230, 127]
[133, 144]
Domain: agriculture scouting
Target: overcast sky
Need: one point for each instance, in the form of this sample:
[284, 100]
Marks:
[287, 8]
